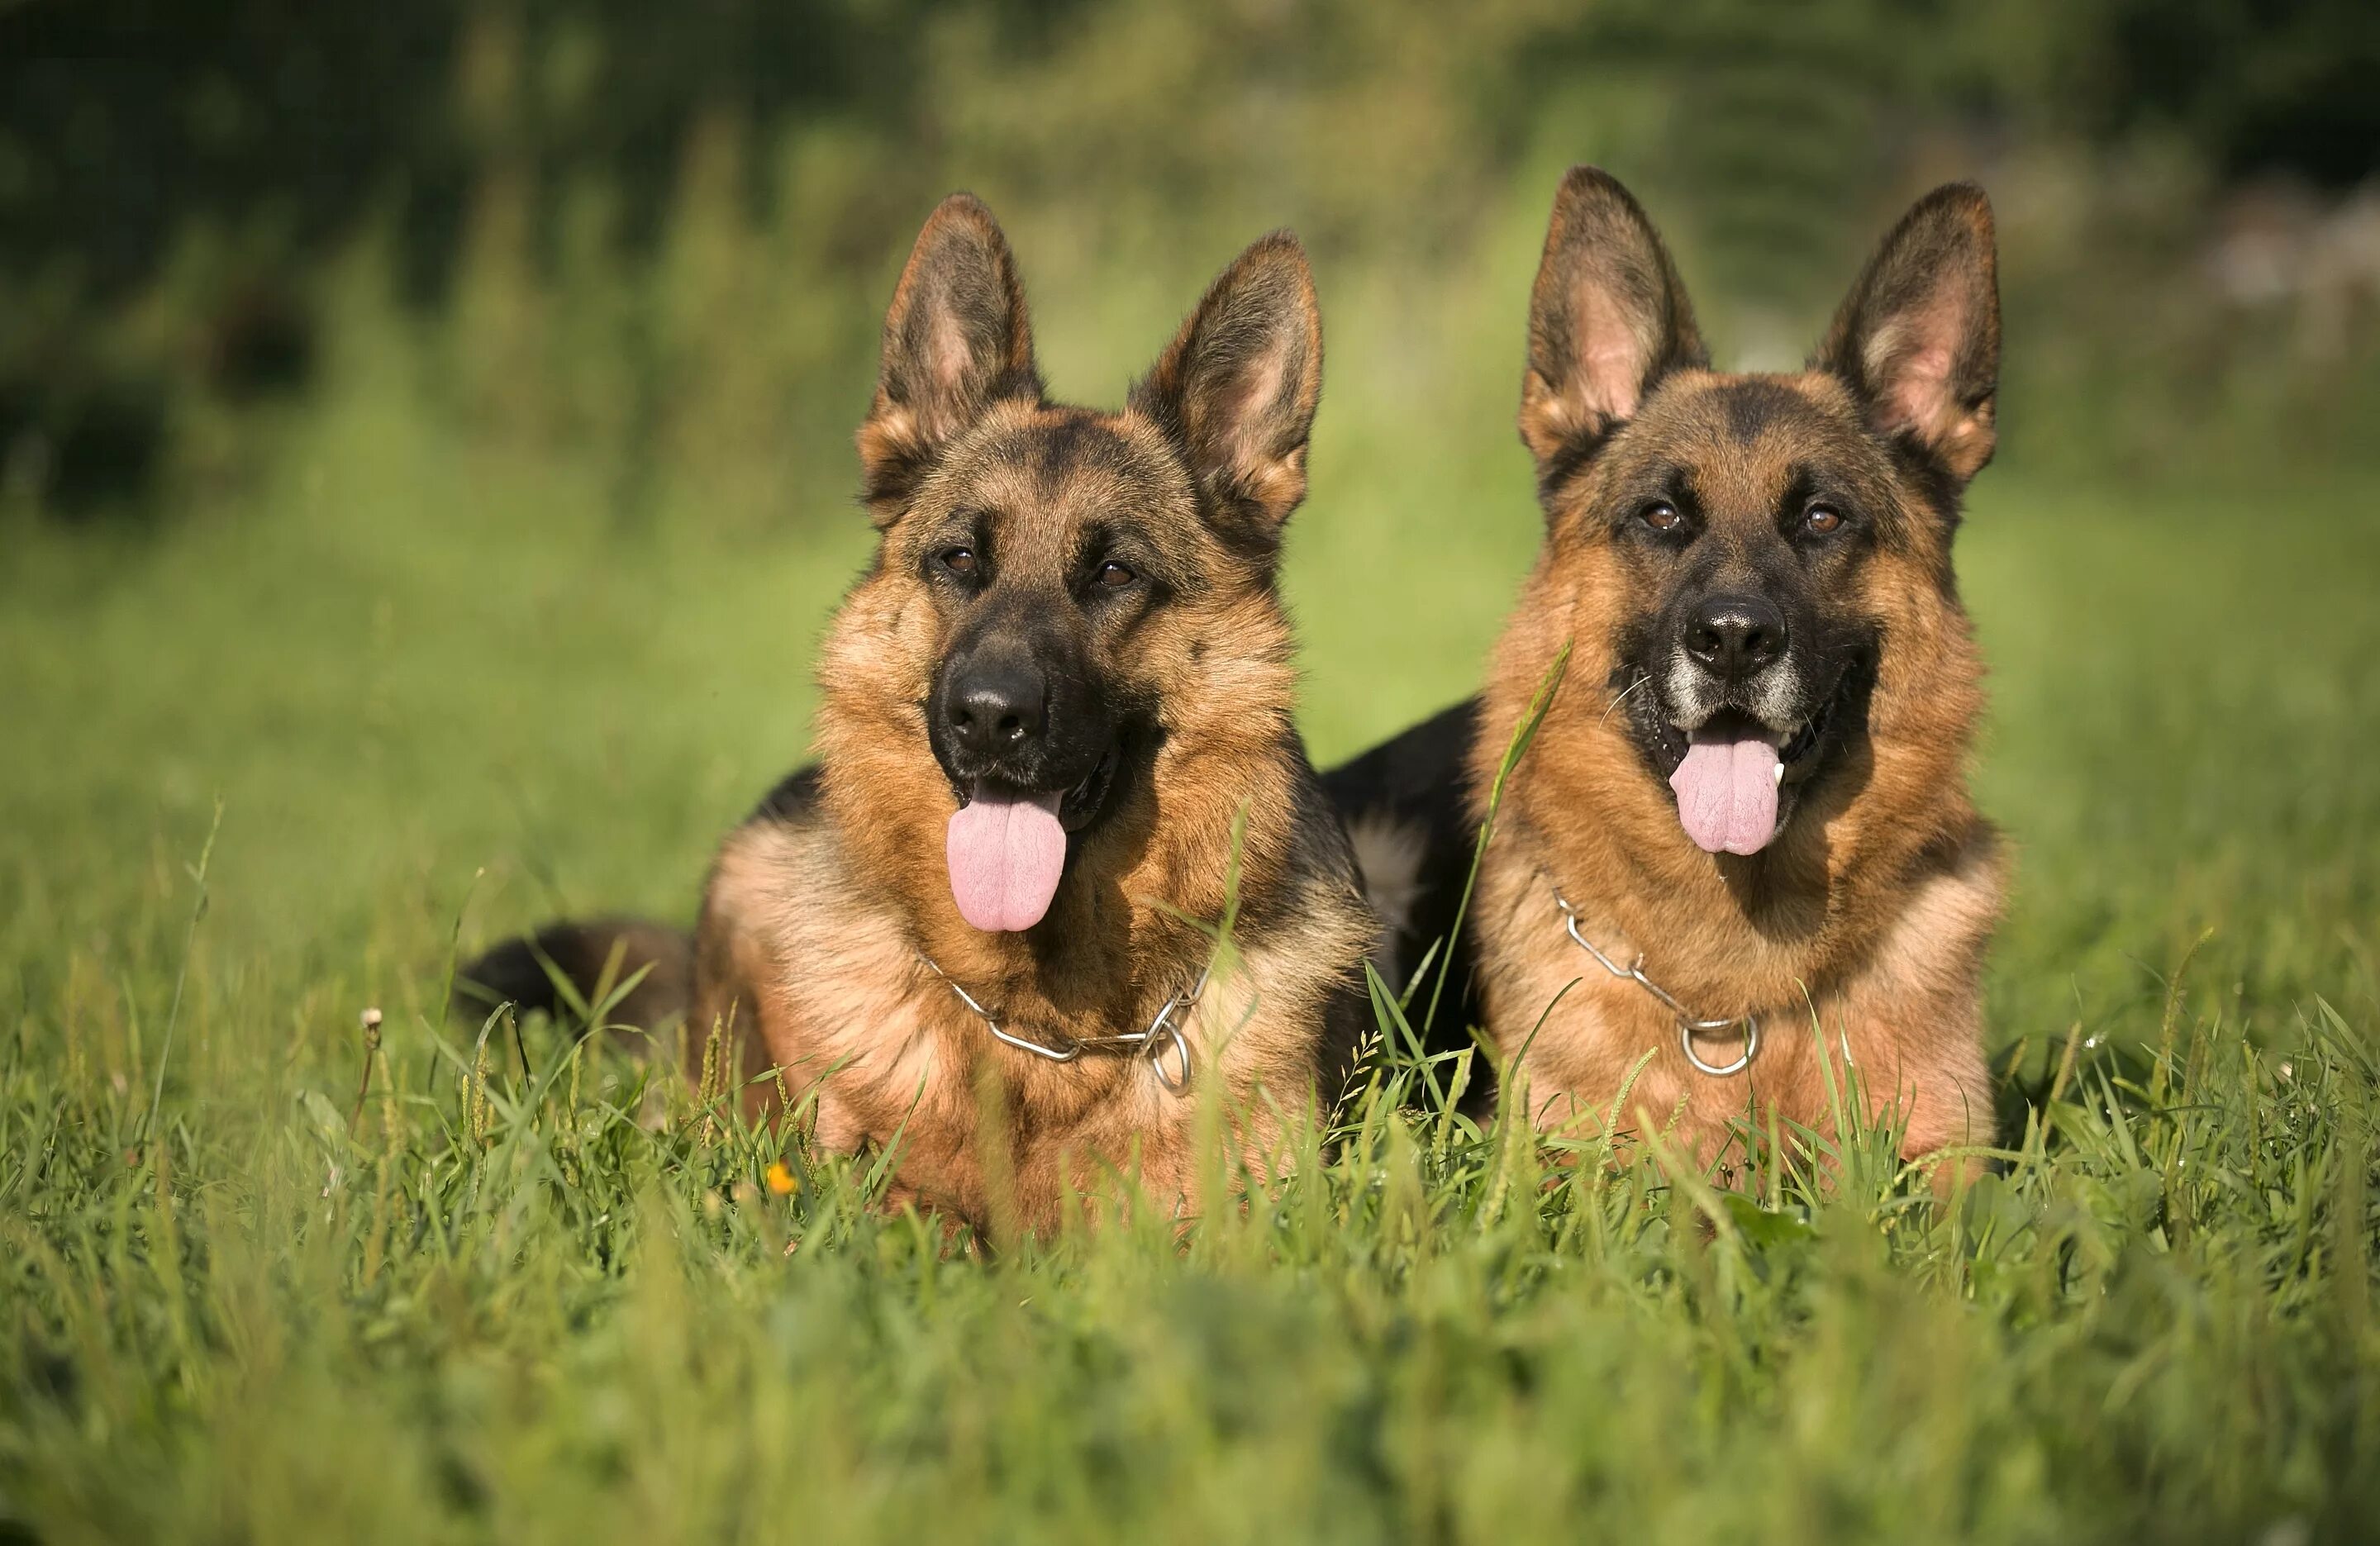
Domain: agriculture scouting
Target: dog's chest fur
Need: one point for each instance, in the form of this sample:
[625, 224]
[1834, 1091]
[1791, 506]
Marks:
[833, 987]
[1892, 1009]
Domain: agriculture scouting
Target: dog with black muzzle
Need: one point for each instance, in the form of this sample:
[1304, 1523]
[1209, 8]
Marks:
[1740, 846]
[1056, 757]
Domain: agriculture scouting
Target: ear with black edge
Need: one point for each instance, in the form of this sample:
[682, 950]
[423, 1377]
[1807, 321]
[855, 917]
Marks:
[1608, 318]
[1918, 339]
[956, 341]
[1237, 387]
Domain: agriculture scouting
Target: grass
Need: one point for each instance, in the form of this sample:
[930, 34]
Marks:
[439, 691]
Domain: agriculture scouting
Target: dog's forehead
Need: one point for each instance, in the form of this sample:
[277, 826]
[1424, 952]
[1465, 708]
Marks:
[1746, 439]
[1047, 475]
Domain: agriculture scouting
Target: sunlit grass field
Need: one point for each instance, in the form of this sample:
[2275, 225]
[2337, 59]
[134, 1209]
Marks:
[441, 690]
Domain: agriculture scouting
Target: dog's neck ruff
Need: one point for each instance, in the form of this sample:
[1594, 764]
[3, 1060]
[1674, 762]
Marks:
[1164, 1031]
[1689, 1027]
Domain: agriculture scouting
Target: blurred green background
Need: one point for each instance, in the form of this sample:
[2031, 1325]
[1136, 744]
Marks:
[428, 426]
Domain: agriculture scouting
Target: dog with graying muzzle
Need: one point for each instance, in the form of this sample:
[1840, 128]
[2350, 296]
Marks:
[1737, 870]
[1056, 756]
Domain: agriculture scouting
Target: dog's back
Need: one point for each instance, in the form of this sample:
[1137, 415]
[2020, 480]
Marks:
[1407, 810]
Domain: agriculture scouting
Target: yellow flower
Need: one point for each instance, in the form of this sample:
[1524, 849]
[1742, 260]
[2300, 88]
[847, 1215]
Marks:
[779, 1180]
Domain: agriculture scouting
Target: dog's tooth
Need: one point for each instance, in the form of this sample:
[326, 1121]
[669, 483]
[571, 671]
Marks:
[1779, 771]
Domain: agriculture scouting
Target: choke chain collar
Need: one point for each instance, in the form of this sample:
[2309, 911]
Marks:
[1689, 1027]
[1164, 1031]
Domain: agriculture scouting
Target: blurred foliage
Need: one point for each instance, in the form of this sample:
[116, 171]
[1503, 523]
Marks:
[2254, 88]
[660, 228]
[124, 122]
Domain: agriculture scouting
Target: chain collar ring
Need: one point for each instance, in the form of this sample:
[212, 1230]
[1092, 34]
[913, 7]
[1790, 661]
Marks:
[1689, 1027]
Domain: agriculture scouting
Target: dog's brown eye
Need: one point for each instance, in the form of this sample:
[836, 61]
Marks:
[958, 561]
[1661, 516]
[1822, 519]
[1115, 576]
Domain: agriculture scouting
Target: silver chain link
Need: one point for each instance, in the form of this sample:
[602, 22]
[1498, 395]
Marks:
[1163, 1031]
[1688, 1026]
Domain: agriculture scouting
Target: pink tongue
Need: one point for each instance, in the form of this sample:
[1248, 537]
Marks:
[1727, 794]
[1005, 855]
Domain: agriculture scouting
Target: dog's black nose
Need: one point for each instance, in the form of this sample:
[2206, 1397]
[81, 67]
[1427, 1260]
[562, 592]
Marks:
[1734, 635]
[997, 706]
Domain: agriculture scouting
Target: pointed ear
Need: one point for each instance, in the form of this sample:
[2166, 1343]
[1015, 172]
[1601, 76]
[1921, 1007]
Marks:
[1918, 339]
[955, 341]
[1237, 387]
[1608, 318]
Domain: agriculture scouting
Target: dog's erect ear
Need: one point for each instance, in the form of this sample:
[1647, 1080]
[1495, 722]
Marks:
[1919, 336]
[1237, 387]
[1608, 318]
[956, 341]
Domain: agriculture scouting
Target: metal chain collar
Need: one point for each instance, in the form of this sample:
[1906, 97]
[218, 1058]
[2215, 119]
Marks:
[1688, 1026]
[1163, 1031]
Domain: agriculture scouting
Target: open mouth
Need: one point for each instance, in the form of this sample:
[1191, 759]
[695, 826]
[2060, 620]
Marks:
[1078, 805]
[1087, 801]
[1735, 778]
[1006, 847]
[1798, 757]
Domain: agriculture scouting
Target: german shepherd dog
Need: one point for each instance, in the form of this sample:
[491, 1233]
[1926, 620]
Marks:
[1741, 841]
[1055, 757]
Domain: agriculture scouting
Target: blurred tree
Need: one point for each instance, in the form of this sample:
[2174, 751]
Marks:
[2256, 86]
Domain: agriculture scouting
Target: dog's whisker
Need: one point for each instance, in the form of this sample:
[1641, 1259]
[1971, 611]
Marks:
[1625, 694]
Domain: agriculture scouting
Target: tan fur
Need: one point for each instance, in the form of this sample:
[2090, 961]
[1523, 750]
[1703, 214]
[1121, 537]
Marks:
[1860, 932]
[818, 928]
[1878, 899]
